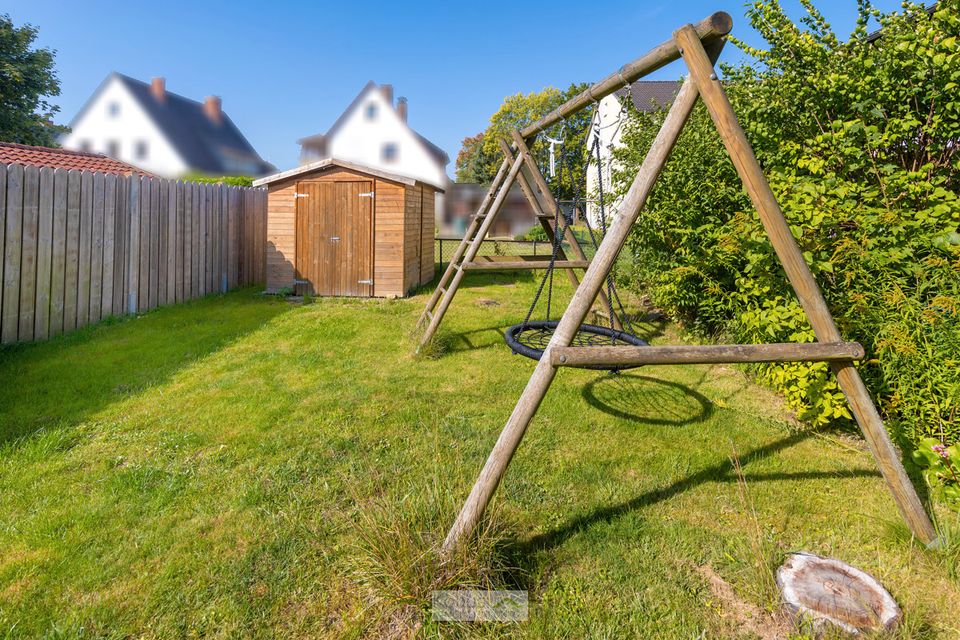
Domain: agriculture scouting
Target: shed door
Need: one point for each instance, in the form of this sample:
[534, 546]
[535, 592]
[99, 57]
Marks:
[335, 238]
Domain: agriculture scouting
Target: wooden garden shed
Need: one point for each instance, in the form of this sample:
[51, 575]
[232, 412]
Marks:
[336, 228]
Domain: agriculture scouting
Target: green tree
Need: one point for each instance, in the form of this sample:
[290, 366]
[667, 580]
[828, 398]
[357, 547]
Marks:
[858, 139]
[473, 161]
[480, 156]
[27, 78]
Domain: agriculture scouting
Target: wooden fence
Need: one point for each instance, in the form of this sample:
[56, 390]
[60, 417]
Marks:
[76, 246]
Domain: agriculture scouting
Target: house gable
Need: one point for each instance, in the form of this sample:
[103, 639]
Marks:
[372, 133]
[114, 116]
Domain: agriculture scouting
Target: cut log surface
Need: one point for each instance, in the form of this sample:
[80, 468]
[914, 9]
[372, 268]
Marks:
[824, 590]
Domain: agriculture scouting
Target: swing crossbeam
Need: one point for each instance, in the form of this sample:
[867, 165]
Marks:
[621, 356]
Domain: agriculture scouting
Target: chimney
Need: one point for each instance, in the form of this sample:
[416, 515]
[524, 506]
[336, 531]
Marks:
[158, 87]
[387, 91]
[211, 108]
[402, 108]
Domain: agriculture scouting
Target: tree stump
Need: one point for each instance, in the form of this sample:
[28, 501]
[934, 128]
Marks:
[826, 591]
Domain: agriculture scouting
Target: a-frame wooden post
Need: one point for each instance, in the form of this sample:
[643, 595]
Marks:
[688, 42]
[802, 280]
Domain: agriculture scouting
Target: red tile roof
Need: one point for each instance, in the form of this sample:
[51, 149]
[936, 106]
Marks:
[11, 153]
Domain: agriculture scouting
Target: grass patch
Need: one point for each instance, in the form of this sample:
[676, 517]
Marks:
[242, 466]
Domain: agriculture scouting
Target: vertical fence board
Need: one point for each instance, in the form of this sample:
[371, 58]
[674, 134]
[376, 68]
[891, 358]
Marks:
[187, 239]
[120, 248]
[28, 256]
[41, 324]
[178, 251]
[109, 240]
[11, 254]
[96, 248]
[143, 292]
[58, 250]
[154, 242]
[195, 241]
[3, 234]
[72, 269]
[224, 234]
[162, 216]
[202, 245]
[86, 231]
[171, 269]
[133, 246]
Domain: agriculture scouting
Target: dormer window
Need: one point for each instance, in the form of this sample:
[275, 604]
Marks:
[113, 109]
[390, 152]
[372, 111]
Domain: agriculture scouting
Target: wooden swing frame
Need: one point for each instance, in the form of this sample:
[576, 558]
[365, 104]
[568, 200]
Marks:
[699, 46]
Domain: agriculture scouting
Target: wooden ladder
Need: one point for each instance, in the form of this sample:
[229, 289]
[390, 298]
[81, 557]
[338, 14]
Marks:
[516, 167]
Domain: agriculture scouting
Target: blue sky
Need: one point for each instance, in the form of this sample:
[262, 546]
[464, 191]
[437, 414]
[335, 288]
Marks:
[286, 70]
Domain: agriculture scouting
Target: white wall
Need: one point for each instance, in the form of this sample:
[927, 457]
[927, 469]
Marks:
[612, 123]
[361, 140]
[97, 127]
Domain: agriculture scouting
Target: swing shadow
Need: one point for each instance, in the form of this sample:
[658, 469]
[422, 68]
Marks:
[647, 400]
[522, 553]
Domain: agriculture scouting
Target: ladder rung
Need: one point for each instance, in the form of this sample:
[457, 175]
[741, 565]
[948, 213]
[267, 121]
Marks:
[429, 314]
[525, 264]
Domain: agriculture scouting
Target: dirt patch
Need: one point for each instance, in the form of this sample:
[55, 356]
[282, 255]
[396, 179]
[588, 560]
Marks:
[746, 617]
[487, 302]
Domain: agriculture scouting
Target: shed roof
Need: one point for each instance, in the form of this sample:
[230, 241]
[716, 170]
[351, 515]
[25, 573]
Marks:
[12, 153]
[329, 163]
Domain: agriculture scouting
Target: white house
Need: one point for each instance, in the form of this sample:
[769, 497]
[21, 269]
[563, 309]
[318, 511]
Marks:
[373, 131]
[162, 132]
[647, 96]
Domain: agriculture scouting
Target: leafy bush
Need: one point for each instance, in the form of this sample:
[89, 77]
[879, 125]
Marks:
[859, 141]
[233, 181]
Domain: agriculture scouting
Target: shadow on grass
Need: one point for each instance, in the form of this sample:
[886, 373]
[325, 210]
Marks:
[523, 553]
[646, 400]
[56, 384]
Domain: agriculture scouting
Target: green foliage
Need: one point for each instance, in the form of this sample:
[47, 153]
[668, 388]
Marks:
[535, 233]
[233, 181]
[480, 155]
[27, 76]
[284, 292]
[858, 140]
[939, 463]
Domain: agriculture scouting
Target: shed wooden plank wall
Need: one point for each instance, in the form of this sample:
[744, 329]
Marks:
[388, 260]
[390, 234]
[77, 247]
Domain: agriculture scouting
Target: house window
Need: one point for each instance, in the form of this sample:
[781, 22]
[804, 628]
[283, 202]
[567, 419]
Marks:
[372, 111]
[390, 152]
[86, 146]
[141, 150]
[113, 148]
[113, 109]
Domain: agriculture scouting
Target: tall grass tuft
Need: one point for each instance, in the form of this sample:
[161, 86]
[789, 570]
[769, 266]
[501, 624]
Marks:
[764, 556]
[398, 558]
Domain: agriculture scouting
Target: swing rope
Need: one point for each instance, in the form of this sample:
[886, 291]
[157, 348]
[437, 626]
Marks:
[530, 338]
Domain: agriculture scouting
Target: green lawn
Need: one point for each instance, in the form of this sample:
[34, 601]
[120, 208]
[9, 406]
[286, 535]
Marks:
[240, 466]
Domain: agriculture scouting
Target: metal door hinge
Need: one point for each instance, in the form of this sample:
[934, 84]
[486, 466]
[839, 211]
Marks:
[334, 238]
[364, 281]
[299, 195]
[368, 194]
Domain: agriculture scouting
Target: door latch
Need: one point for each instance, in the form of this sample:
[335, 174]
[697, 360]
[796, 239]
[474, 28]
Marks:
[364, 281]
[368, 194]
[299, 195]
[334, 238]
